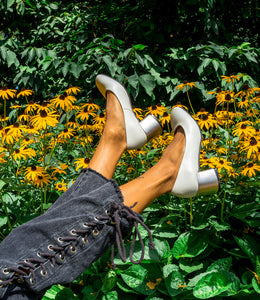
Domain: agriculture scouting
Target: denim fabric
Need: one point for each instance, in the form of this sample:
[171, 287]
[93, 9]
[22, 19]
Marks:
[89, 197]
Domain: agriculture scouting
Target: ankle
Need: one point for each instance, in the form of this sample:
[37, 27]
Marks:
[115, 136]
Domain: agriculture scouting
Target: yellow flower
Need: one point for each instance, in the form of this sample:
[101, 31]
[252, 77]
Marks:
[185, 84]
[6, 93]
[45, 106]
[91, 105]
[67, 133]
[41, 180]
[156, 110]
[231, 77]
[61, 186]
[223, 164]
[81, 163]
[73, 124]
[63, 101]
[250, 169]
[138, 112]
[15, 106]
[24, 118]
[243, 130]
[179, 104]
[24, 93]
[31, 107]
[250, 145]
[165, 118]
[225, 97]
[85, 113]
[32, 172]
[73, 90]
[60, 169]
[3, 118]
[100, 118]
[43, 118]
[207, 121]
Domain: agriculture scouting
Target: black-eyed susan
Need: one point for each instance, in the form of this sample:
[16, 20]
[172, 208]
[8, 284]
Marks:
[3, 118]
[60, 169]
[15, 106]
[31, 107]
[67, 133]
[100, 119]
[250, 145]
[44, 119]
[73, 90]
[32, 172]
[206, 121]
[243, 130]
[24, 93]
[45, 106]
[24, 118]
[231, 78]
[18, 154]
[73, 124]
[138, 112]
[16, 129]
[6, 93]
[26, 141]
[250, 169]
[186, 85]
[225, 97]
[8, 136]
[179, 104]
[63, 101]
[91, 105]
[165, 118]
[81, 163]
[85, 113]
[61, 186]
[41, 180]
[223, 164]
[156, 110]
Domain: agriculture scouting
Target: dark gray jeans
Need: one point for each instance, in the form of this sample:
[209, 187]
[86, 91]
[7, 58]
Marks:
[59, 245]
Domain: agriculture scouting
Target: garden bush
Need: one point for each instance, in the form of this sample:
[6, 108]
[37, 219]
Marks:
[205, 247]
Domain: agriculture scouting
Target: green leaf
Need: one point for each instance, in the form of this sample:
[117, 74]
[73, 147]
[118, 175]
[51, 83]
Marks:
[174, 282]
[3, 220]
[148, 83]
[221, 264]
[256, 285]
[109, 281]
[65, 68]
[211, 285]
[111, 296]
[248, 246]
[190, 244]
[75, 69]
[2, 184]
[135, 277]
[10, 3]
[190, 266]
[11, 58]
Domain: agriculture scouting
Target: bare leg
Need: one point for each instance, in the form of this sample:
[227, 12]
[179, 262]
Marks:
[159, 179]
[113, 140]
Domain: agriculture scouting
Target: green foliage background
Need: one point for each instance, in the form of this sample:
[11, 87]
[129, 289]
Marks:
[150, 46]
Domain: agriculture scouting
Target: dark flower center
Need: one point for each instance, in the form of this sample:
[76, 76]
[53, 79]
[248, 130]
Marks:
[165, 114]
[205, 117]
[40, 177]
[154, 107]
[218, 90]
[43, 114]
[250, 165]
[4, 88]
[59, 185]
[221, 162]
[86, 160]
[253, 141]
[245, 87]
[101, 115]
[65, 94]
[65, 130]
[185, 81]
[16, 125]
[228, 97]
[85, 110]
[33, 168]
[17, 151]
[243, 126]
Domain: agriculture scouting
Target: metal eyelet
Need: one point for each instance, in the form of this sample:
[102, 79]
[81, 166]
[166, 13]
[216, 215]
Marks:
[5, 271]
[39, 254]
[61, 258]
[96, 219]
[60, 240]
[85, 225]
[44, 274]
[107, 212]
[95, 232]
[73, 249]
[50, 247]
[31, 281]
[84, 240]
[73, 232]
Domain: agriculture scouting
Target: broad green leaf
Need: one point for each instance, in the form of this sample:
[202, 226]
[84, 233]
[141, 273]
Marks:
[11, 58]
[3, 220]
[75, 69]
[148, 83]
[211, 285]
[256, 285]
[168, 269]
[221, 264]
[135, 277]
[65, 68]
[190, 266]
[111, 296]
[139, 59]
[248, 246]
[10, 3]
[2, 184]
[109, 281]
[175, 282]
[190, 244]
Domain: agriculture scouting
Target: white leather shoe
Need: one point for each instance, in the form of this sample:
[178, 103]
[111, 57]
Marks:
[137, 133]
[190, 181]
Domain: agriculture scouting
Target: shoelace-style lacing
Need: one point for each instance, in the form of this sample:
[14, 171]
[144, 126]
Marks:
[113, 217]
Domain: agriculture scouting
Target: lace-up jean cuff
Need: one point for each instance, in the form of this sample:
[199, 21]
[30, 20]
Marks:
[59, 245]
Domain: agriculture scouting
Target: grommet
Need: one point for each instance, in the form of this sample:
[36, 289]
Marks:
[39, 254]
[50, 247]
[5, 270]
[73, 232]
[85, 225]
[43, 273]
[107, 212]
[61, 257]
[96, 219]
[31, 281]
[84, 240]
[73, 249]
[60, 240]
[95, 232]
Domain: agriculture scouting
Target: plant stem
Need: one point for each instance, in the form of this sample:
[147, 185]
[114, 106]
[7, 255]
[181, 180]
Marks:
[190, 101]
[191, 216]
